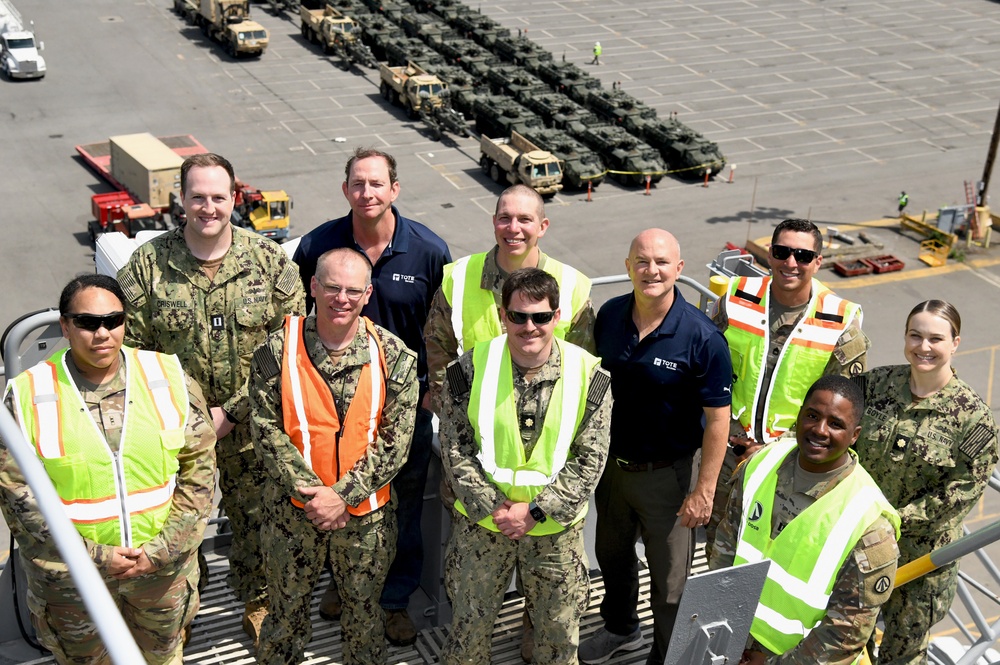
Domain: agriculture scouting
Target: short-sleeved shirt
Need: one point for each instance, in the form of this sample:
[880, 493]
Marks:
[662, 383]
[405, 277]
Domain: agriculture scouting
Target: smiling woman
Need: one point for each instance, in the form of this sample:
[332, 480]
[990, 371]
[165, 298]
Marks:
[930, 442]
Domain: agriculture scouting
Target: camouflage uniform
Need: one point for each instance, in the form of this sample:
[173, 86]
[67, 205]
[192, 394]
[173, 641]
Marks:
[932, 459]
[552, 569]
[849, 358]
[157, 606]
[294, 550]
[442, 346]
[214, 327]
[863, 583]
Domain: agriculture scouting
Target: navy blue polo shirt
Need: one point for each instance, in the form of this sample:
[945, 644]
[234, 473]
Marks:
[404, 278]
[662, 383]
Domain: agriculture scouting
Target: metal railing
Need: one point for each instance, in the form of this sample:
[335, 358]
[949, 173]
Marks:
[96, 597]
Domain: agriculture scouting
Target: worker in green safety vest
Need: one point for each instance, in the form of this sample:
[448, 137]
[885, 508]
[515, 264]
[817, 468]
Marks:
[831, 567]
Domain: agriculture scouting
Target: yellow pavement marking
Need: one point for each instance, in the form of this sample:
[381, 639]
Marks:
[969, 626]
[920, 273]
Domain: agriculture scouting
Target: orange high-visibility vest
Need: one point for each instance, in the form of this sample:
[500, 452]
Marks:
[331, 447]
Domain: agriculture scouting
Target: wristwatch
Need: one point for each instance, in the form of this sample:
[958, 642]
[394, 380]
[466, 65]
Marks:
[537, 513]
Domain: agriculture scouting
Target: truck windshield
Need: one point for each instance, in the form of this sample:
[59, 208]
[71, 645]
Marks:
[259, 34]
[24, 42]
[279, 209]
[432, 89]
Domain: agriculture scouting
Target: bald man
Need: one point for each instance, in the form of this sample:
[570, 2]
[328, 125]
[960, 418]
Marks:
[670, 367]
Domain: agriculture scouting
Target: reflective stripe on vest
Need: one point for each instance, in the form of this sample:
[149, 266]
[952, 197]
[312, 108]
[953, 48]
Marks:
[809, 552]
[86, 474]
[328, 446]
[474, 314]
[802, 358]
[494, 419]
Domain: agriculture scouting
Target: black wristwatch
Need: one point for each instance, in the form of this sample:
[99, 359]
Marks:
[537, 513]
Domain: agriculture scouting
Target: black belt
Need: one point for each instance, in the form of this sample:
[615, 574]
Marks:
[635, 467]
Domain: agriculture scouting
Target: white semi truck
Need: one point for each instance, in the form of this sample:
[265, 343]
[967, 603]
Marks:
[19, 52]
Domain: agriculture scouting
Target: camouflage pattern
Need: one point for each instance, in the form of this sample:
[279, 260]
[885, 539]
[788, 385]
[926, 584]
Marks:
[553, 576]
[360, 553]
[480, 560]
[911, 611]
[849, 358]
[439, 336]
[158, 605]
[863, 583]
[214, 326]
[296, 552]
[932, 459]
[156, 608]
[386, 455]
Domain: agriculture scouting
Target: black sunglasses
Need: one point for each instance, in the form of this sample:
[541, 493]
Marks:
[538, 318]
[93, 322]
[802, 256]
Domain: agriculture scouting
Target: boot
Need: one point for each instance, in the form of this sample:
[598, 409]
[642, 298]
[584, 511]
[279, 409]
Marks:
[253, 618]
[330, 607]
[399, 628]
[527, 638]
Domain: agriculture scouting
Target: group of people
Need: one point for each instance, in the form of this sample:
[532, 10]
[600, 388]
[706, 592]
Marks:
[311, 384]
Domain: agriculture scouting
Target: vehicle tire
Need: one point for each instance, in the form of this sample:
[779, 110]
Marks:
[484, 162]
[305, 32]
[495, 172]
[384, 89]
[411, 113]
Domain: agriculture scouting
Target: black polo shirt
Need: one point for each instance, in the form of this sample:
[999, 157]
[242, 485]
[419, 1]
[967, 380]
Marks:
[405, 277]
[662, 383]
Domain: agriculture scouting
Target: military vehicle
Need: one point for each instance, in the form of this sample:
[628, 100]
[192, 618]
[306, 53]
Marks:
[424, 96]
[518, 160]
[428, 28]
[561, 112]
[448, 10]
[462, 86]
[686, 151]
[499, 116]
[482, 29]
[337, 33]
[629, 159]
[376, 30]
[567, 78]
[392, 9]
[469, 55]
[516, 82]
[580, 164]
[226, 22]
[521, 51]
[399, 50]
[621, 109]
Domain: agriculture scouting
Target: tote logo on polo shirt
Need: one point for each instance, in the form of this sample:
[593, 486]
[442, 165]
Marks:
[669, 364]
[397, 277]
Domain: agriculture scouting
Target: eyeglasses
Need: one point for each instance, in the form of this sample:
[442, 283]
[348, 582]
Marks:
[334, 290]
[94, 322]
[538, 318]
[802, 256]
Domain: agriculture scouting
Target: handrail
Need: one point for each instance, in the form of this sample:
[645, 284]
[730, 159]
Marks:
[96, 597]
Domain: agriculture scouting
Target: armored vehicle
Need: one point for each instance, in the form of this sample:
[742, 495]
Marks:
[630, 158]
[580, 164]
[469, 55]
[392, 9]
[399, 50]
[499, 116]
[686, 151]
[376, 30]
[448, 10]
[484, 30]
[568, 79]
[621, 109]
[427, 28]
[462, 86]
[515, 82]
[561, 112]
[521, 51]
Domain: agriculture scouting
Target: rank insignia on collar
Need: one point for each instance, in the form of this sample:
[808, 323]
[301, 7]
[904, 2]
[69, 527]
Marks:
[527, 421]
[901, 443]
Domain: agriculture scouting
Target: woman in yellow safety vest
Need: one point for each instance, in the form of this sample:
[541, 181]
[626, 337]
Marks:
[930, 442]
[127, 441]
